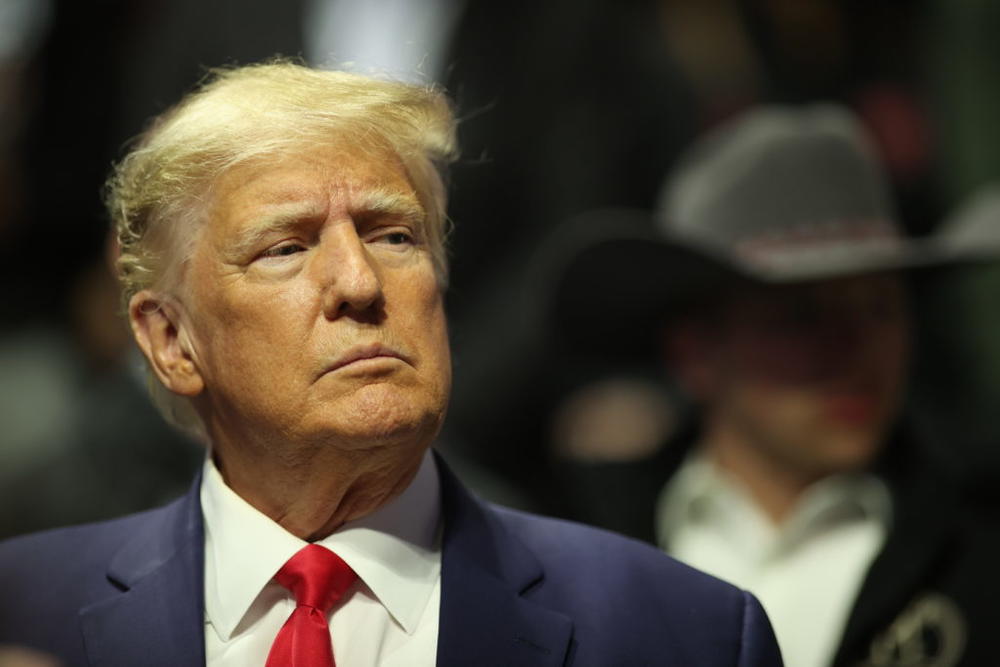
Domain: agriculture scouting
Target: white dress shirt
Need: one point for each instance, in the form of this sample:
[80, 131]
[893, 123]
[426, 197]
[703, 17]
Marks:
[806, 572]
[389, 617]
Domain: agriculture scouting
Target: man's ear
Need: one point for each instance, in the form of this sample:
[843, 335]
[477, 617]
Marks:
[157, 327]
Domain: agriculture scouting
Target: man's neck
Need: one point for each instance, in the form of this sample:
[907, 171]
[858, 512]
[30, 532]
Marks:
[318, 492]
[774, 485]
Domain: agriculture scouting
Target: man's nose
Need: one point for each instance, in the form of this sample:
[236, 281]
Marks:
[350, 275]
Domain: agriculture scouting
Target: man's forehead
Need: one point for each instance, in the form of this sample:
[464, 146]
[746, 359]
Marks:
[305, 185]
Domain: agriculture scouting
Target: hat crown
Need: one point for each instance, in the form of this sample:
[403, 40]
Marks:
[781, 180]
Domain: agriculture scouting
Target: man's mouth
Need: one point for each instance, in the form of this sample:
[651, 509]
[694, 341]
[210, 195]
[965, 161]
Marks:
[856, 409]
[360, 353]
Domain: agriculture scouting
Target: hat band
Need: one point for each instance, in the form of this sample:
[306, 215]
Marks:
[820, 244]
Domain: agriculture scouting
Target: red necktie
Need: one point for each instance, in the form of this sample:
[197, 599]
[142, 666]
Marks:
[317, 578]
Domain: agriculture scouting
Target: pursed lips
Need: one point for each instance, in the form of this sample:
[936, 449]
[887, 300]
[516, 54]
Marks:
[363, 352]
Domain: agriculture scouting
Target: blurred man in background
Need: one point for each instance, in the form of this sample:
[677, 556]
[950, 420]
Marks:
[774, 286]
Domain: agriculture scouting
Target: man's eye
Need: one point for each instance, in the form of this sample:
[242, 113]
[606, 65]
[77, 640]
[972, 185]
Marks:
[398, 238]
[282, 250]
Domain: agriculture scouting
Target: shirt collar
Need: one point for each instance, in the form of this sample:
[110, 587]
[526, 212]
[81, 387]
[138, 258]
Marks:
[699, 490]
[395, 550]
[687, 495]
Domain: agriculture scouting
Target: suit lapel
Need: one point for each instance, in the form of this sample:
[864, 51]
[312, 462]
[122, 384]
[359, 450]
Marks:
[158, 618]
[486, 618]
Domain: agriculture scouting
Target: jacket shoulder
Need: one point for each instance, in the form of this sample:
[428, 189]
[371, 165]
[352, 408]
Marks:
[72, 550]
[50, 576]
[625, 592]
[580, 547]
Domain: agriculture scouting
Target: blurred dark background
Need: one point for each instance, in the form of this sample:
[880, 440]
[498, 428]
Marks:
[566, 107]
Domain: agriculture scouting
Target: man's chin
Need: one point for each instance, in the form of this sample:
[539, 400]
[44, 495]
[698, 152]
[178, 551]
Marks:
[848, 453]
[386, 424]
[379, 437]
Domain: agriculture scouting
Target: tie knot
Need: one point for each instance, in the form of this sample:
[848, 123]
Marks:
[316, 576]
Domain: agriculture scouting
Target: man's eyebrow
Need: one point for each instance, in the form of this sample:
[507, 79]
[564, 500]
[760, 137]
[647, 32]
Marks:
[279, 219]
[391, 203]
[276, 220]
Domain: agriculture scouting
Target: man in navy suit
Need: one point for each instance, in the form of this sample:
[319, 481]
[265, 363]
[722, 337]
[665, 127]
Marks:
[282, 262]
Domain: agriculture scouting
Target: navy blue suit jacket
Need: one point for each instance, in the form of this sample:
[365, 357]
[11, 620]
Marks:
[516, 589]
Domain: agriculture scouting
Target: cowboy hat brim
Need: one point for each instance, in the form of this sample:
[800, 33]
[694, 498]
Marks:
[620, 280]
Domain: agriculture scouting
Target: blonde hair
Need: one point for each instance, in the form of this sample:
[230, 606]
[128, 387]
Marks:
[255, 114]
